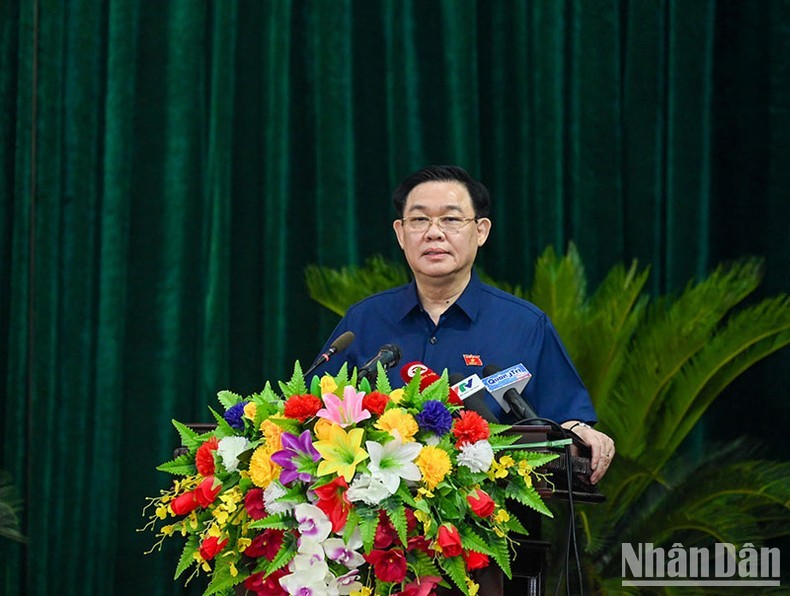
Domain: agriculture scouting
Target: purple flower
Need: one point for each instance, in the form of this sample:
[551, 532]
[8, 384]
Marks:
[234, 415]
[296, 456]
[435, 417]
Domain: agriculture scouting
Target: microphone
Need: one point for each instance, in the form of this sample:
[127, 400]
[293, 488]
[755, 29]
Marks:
[341, 343]
[472, 393]
[506, 387]
[427, 377]
[388, 355]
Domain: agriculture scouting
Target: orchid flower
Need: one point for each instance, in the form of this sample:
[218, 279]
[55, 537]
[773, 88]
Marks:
[296, 457]
[314, 525]
[346, 412]
[338, 550]
[393, 460]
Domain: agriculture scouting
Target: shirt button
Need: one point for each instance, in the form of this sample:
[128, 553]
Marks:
[433, 340]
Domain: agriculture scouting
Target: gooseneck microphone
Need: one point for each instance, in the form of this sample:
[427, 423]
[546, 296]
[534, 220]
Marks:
[506, 385]
[388, 355]
[341, 343]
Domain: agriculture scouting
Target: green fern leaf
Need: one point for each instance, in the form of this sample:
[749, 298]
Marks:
[187, 557]
[397, 516]
[528, 496]
[456, 571]
[228, 399]
[297, 385]
[183, 465]
[189, 438]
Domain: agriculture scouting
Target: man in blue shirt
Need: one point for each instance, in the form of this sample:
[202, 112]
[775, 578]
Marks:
[448, 319]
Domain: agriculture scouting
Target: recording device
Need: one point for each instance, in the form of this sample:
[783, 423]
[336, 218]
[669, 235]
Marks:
[506, 387]
[472, 393]
[341, 343]
[388, 355]
[427, 377]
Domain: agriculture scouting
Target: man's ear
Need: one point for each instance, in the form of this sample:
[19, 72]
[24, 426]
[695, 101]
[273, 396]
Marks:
[397, 225]
[483, 230]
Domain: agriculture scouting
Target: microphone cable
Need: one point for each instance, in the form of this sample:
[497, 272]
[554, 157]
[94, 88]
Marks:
[570, 534]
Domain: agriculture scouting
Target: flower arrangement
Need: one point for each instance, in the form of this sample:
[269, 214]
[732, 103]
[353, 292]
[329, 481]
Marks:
[340, 489]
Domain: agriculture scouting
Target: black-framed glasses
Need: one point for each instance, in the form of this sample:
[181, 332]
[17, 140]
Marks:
[450, 224]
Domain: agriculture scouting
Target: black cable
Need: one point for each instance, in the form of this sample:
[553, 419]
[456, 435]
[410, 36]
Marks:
[570, 537]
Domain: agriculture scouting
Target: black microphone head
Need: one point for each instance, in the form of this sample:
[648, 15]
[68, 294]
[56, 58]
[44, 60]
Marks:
[342, 341]
[455, 378]
[491, 369]
[390, 355]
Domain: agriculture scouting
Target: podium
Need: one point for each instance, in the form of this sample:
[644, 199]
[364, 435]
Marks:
[529, 566]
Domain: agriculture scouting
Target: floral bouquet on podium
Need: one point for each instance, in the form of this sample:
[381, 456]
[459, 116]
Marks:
[340, 489]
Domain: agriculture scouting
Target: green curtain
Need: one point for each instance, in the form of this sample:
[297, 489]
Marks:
[168, 169]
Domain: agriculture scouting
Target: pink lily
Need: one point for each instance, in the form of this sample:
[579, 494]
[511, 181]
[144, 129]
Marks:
[344, 412]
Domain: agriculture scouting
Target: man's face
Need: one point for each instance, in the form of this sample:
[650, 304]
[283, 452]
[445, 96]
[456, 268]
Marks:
[436, 253]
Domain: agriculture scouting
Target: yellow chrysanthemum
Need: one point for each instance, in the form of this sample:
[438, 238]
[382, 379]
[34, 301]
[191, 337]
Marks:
[434, 464]
[272, 433]
[328, 385]
[321, 429]
[400, 420]
[262, 469]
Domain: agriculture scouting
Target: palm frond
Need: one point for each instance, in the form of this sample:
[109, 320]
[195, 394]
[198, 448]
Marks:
[338, 289]
[674, 330]
[10, 506]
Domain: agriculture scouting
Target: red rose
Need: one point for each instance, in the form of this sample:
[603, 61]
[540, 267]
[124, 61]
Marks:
[475, 560]
[388, 565]
[375, 402]
[206, 492]
[211, 546]
[449, 540]
[302, 407]
[481, 503]
[253, 503]
[184, 504]
[204, 458]
[470, 427]
[266, 586]
[265, 545]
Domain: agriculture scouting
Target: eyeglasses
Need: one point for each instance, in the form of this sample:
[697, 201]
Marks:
[450, 224]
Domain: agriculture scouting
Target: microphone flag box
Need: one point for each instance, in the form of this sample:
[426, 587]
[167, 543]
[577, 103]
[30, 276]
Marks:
[469, 386]
[516, 377]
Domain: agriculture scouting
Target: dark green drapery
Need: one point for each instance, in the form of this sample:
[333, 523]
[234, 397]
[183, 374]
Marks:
[169, 168]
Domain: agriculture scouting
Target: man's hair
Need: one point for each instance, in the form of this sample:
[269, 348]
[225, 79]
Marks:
[481, 200]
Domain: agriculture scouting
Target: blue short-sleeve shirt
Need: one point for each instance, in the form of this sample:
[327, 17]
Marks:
[485, 322]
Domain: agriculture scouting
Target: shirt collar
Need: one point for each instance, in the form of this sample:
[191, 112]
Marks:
[468, 301]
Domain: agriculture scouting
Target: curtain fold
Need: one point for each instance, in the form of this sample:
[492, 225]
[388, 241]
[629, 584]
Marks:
[168, 171]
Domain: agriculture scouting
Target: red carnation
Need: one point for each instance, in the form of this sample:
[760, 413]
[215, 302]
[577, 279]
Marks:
[375, 402]
[253, 503]
[265, 545]
[475, 560]
[388, 565]
[449, 540]
[470, 427]
[206, 492]
[481, 503]
[204, 458]
[302, 407]
[211, 546]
